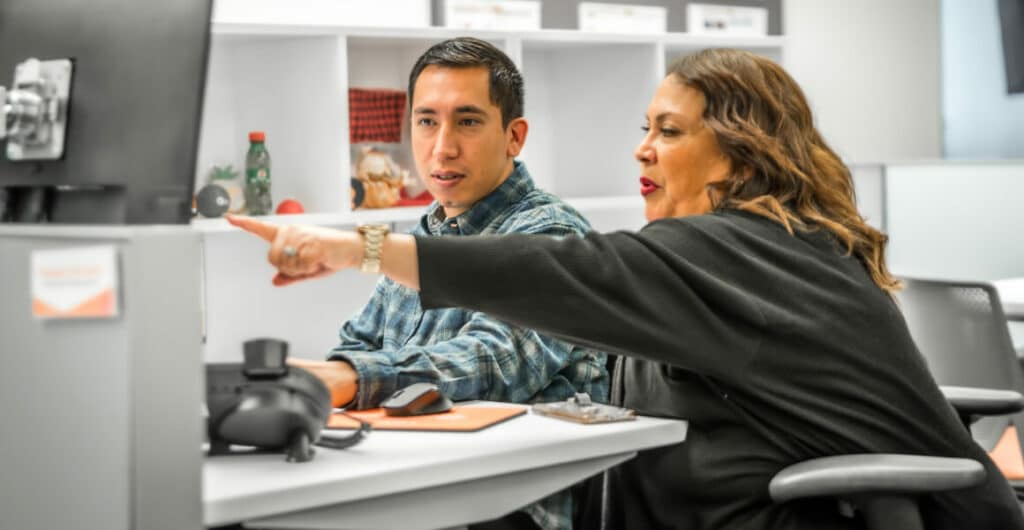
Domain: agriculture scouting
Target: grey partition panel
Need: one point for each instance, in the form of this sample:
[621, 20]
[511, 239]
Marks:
[955, 220]
[102, 417]
[869, 185]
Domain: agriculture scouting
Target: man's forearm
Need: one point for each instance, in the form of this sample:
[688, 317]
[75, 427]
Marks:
[339, 377]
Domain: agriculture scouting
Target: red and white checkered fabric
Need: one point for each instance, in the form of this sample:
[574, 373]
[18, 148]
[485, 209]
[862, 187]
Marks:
[375, 115]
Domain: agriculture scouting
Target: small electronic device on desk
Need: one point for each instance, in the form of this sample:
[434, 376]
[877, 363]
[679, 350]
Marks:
[581, 409]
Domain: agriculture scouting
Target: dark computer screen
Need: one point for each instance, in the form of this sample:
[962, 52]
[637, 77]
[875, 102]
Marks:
[132, 116]
[1011, 20]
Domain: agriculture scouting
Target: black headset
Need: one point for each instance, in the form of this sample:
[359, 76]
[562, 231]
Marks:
[266, 404]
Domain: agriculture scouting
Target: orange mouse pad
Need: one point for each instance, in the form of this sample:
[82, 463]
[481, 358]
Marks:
[458, 419]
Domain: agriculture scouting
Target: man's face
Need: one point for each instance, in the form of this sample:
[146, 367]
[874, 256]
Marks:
[462, 151]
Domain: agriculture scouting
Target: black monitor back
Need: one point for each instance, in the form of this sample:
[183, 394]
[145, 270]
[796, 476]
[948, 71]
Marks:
[134, 111]
[1011, 20]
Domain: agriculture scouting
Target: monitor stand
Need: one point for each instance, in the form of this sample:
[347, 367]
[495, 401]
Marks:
[29, 204]
[104, 205]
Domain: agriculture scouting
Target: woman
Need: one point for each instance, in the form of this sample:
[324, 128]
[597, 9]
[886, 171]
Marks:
[756, 304]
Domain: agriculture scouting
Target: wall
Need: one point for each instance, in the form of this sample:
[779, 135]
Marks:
[870, 69]
[981, 119]
[241, 304]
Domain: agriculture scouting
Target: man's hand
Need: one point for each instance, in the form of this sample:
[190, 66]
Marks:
[339, 376]
[304, 252]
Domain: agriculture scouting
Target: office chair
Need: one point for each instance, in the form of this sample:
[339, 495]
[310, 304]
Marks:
[961, 330]
[884, 488]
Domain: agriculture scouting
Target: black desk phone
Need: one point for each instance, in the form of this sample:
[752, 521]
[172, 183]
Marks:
[266, 404]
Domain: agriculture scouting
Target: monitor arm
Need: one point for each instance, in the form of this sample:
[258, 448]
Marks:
[33, 113]
[5, 109]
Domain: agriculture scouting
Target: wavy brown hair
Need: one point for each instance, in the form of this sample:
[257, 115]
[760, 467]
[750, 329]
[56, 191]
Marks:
[781, 166]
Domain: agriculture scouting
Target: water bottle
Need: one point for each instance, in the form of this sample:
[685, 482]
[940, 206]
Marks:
[257, 175]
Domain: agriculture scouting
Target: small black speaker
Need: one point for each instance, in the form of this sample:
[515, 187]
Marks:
[212, 201]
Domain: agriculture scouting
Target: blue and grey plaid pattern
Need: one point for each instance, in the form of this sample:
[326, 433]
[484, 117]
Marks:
[392, 342]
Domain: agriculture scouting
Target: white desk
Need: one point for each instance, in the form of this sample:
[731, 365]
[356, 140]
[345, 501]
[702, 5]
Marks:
[1011, 293]
[423, 479]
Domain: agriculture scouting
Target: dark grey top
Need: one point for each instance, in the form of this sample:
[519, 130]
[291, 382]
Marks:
[777, 349]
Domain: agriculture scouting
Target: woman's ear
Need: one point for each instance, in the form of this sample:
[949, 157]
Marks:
[746, 173]
[517, 130]
[739, 179]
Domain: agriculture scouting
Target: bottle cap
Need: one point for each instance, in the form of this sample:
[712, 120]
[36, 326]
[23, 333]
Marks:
[257, 136]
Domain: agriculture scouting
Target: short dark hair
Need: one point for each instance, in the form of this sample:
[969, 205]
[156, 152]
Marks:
[506, 87]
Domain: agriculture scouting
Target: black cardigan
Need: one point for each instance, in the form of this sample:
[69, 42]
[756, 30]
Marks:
[777, 349]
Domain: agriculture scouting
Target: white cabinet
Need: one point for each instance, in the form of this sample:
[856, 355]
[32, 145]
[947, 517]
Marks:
[586, 95]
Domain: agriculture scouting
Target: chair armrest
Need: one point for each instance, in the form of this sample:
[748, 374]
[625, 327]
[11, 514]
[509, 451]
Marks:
[846, 475]
[973, 402]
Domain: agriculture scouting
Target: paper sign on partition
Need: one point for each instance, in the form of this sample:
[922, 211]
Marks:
[80, 282]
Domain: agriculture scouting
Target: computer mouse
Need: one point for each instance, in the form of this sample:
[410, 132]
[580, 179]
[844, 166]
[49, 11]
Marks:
[415, 400]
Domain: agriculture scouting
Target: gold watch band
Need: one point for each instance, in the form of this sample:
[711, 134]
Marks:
[373, 243]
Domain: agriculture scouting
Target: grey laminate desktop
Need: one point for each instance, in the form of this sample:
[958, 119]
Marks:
[102, 425]
[422, 480]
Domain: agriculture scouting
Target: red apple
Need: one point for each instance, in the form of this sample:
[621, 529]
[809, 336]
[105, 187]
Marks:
[288, 206]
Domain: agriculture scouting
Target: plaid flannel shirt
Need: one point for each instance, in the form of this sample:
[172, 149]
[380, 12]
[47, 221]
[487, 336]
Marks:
[392, 342]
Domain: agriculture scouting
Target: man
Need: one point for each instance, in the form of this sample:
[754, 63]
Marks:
[466, 103]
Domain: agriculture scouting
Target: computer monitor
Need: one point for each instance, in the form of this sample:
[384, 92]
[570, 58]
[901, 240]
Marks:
[1011, 21]
[134, 74]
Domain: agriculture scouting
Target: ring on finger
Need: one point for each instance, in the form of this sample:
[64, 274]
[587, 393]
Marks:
[290, 251]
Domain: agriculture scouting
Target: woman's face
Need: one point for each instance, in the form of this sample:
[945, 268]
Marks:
[678, 156]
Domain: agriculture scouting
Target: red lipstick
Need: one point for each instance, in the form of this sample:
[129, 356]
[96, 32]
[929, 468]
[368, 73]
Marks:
[648, 186]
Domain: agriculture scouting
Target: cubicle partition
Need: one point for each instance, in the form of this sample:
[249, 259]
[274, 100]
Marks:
[100, 424]
[956, 220]
[948, 220]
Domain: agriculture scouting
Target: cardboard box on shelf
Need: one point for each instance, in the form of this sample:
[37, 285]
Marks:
[382, 13]
[732, 21]
[622, 18]
[522, 15]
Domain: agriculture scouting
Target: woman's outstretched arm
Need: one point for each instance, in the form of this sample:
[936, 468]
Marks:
[306, 252]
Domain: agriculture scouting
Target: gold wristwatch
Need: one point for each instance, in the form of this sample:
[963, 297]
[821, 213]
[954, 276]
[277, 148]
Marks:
[373, 242]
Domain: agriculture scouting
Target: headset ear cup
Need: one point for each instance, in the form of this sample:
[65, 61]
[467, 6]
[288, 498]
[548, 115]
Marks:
[219, 443]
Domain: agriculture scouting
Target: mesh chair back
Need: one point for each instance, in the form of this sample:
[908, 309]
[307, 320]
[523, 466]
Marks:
[962, 332]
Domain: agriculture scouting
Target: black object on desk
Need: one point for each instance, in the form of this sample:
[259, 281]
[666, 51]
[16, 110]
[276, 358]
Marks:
[265, 403]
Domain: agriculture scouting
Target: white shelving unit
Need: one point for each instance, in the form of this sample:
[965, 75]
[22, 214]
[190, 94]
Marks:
[585, 99]
[586, 94]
